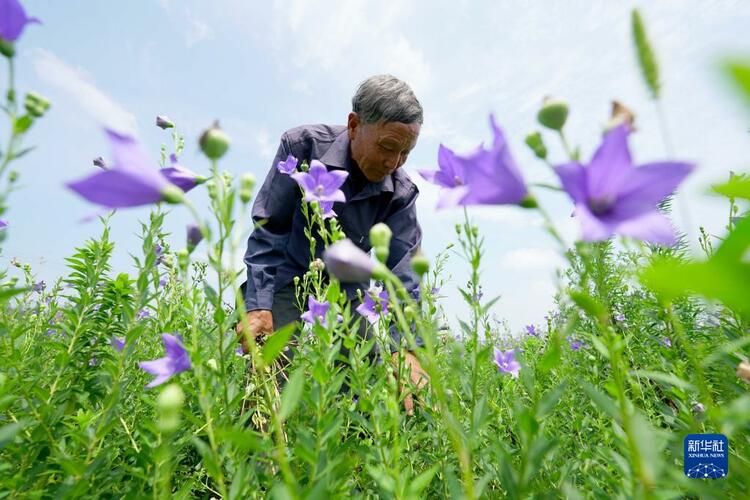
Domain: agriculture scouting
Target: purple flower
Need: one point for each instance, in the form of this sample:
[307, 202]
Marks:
[327, 208]
[620, 317]
[612, 196]
[118, 343]
[38, 286]
[51, 331]
[13, 20]
[371, 309]
[575, 344]
[159, 252]
[506, 362]
[347, 262]
[531, 330]
[180, 176]
[316, 310]
[481, 177]
[3, 224]
[667, 342]
[162, 281]
[175, 361]
[239, 352]
[133, 180]
[142, 314]
[321, 185]
[289, 166]
[99, 162]
[435, 290]
[163, 122]
[194, 236]
[93, 361]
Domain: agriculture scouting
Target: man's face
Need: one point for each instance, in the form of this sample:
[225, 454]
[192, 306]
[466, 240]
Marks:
[381, 148]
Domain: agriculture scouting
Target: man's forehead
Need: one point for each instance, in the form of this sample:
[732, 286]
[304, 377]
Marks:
[400, 132]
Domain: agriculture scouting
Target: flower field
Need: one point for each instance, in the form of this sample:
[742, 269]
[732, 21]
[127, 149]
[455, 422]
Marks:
[139, 385]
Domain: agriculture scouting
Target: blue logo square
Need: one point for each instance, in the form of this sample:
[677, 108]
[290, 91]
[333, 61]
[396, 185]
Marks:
[706, 456]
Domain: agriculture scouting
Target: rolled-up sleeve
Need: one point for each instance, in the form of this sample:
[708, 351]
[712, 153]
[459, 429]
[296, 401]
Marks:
[405, 242]
[272, 215]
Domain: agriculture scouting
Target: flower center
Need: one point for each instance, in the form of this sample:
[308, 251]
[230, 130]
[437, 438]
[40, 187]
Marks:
[319, 189]
[458, 181]
[600, 206]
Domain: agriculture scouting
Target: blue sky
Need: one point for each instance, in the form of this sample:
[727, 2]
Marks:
[263, 67]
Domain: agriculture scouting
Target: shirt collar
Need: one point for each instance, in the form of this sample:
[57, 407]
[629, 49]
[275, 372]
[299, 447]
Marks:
[338, 156]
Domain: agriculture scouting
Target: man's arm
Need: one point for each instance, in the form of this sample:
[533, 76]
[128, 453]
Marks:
[272, 214]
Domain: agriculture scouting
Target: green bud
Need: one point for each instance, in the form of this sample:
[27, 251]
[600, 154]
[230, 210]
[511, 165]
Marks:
[529, 202]
[13, 281]
[380, 272]
[183, 258]
[36, 105]
[7, 49]
[214, 142]
[536, 143]
[410, 311]
[13, 176]
[169, 403]
[228, 177]
[420, 264]
[212, 365]
[296, 281]
[172, 194]
[317, 265]
[458, 229]
[380, 235]
[213, 192]
[553, 114]
[247, 181]
[246, 195]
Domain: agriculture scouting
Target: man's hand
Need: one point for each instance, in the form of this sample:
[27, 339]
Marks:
[260, 322]
[417, 376]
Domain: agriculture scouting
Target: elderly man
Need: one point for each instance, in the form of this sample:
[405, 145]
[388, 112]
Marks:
[381, 131]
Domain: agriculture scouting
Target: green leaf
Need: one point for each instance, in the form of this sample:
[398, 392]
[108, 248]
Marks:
[588, 304]
[243, 440]
[420, 482]
[601, 400]
[738, 186]
[22, 124]
[665, 378]
[739, 74]
[9, 432]
[7, 293]
[551, 357]
[549, 400]
[645, 54]
[292, 393]
[276, 343]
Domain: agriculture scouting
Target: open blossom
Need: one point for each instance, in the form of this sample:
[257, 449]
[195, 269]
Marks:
[371, 309]
[132, 181]
[327, 208]
[118, 343]
[38, 286]
[506, 362]
[612, 196]
[667, 342]
[321, 185]
[531, 330]
[347, 262]
[175, 361]
[317, 310]
[620, 317]
[574, 343]
[13, 20]
[288, 166]
[481, 177]
[143, 314]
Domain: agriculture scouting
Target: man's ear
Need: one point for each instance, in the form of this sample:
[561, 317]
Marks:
[352, 124]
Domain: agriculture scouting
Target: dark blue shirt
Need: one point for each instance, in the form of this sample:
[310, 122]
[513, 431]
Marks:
[278, 249]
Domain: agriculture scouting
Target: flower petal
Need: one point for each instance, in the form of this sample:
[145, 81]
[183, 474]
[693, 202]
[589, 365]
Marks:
[573, 178]
[610, 165]
[117, 188]
[593, 228]
[649, 184]
[651, 227]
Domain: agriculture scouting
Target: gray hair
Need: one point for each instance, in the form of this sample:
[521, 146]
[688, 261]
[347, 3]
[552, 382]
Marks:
[385, 98]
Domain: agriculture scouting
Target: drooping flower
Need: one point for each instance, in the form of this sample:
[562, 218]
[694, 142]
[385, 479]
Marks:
[481, 177]
[506, 362]
[347, 262]
[531, 330]
[175, 361]
[38, 286]
[194, 236]
[321, 185]
[288, 166]
[180, 176]
[13, 20]
[612, 196]
[132, 181]
[163, 122]
[118, 343]
[316, 310]
[373, 310]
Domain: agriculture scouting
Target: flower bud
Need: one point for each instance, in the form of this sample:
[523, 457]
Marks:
[213, 191]
[214, 142]
[296, 281]
[99, 162]
[7, 48]
[317, 265]
[553, 114]
[35, 104]
[247, 181]
[420, 264]
[536, 143]
[381, 253]
[169, 403]
[380, 235]
[211, 363]
[194, 236]
[246, 195]
[698, 407]
[183, 258]
[620, 114]
[743, 371]
[13, 176]
[163, 122]
[172, 194]
[529, 202]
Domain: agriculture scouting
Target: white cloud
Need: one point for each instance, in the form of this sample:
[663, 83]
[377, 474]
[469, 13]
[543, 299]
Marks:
[531, 259]
[196, 29]
[54, 71]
